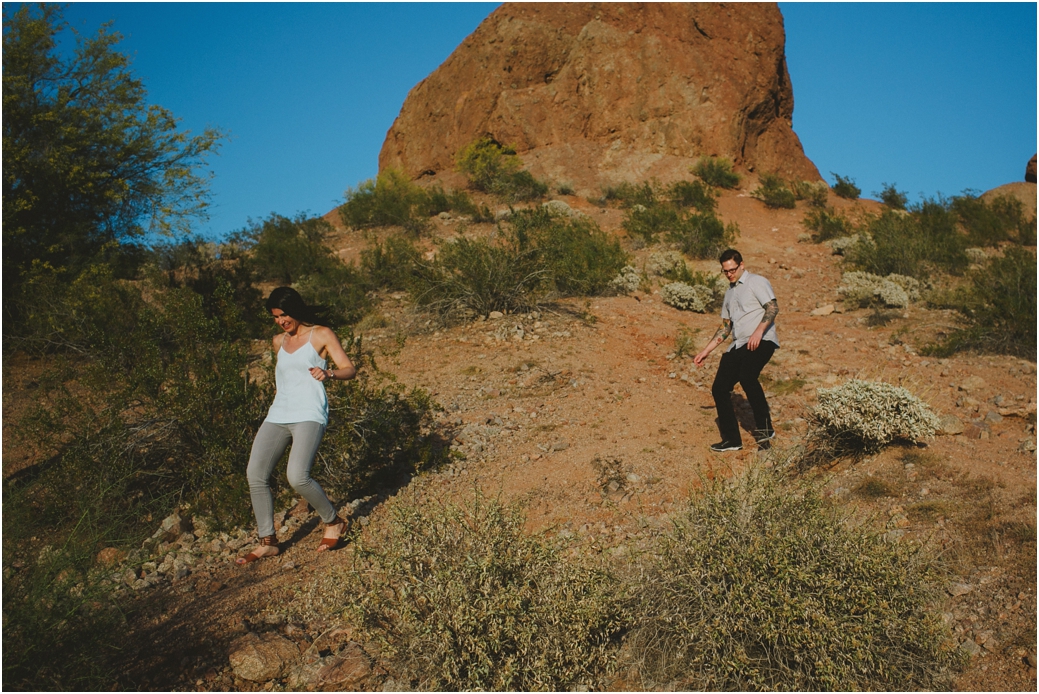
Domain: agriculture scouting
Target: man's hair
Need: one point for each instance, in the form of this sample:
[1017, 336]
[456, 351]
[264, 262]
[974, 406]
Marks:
[731, 254]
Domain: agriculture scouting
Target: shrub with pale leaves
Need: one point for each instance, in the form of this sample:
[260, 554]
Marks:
[863, 288]
[687, 297]
[867, 415]
[627, 280]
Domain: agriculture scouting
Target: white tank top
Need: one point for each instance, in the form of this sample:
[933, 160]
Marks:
[300, 397]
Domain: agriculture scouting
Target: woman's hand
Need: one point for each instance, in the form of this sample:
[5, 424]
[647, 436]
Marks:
[321, 375]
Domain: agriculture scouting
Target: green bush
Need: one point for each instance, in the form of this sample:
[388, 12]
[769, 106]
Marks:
[998, 306]
[760, 586]
[292, 251]
[390, 264]
[892, 197]
[376, 434]
[826, 223]
[774, 192]
[495, 169]
[629, 195]
[815, 193]
[864, 416]
[462, 598]
[716, 172]
[917, 244]
[580, 259]
[991, 224]
[703, 235]
[845, 187]
[390, 200]
[477, 276]
[692, 194]
[646, 222]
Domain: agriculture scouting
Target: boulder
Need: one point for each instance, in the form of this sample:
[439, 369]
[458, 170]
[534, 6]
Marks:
[262, 657]
[608, 92]
[1030, 170]
[1025, 192]
[950, 425]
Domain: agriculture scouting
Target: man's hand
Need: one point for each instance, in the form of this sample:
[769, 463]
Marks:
[755, 338]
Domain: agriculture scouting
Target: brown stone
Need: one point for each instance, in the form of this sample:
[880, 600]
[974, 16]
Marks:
[1025, 192]
[1030, 170]
[607, 92]
[110, 555]
[345, 672]
[262, 657]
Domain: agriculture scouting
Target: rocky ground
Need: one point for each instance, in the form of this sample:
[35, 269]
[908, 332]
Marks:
[547, 406]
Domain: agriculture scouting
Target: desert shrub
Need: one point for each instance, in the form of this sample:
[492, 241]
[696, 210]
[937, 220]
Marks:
[825, 223]
[478, 276]
[628, 280]
[669, 264]
[916, 244]
[565, 189]
[579, 258]
[774, 192]
[376, 433]
[629, 195]
[989, 224]
[892, 197]
[647, 222]
[865, 416]
[759, 586]
[692, 194]
[842, 245]
[685, 342]
[292, 251]
[389, 200]
[815, 193]
[685, 297]
[283, 249]
[702, 235]
[864, 289]
[998, 307]
[716, 172]
[389, 265]
[495, 169]
[462, 598]
[845, 187]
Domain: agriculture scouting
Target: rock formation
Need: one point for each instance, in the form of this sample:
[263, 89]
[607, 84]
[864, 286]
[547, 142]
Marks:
[592, 93]
[1030, 170]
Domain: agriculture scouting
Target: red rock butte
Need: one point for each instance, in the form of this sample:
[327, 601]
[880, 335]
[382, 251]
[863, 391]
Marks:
[594, 93]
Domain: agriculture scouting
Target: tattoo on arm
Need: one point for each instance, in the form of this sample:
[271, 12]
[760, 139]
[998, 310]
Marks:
[724, 331]
[771, 311]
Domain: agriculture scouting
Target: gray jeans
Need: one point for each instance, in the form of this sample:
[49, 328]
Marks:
[268, 446]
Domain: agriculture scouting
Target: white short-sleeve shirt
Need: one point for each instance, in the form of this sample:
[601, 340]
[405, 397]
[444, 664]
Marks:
[744, 305]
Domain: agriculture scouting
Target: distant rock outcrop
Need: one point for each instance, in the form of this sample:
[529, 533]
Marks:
[1030, 170]
[589, 93]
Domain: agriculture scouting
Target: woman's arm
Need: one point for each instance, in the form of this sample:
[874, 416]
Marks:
[329, 346]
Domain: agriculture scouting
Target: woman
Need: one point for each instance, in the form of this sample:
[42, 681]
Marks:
[299, 414]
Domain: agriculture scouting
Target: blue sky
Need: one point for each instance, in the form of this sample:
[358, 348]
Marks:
[935, 97]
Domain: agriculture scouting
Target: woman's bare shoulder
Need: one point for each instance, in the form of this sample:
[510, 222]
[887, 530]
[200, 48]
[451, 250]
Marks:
[277, 341]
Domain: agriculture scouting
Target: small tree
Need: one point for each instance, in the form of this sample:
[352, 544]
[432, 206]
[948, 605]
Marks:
[892, 197]
[87, 160]
[845, 187]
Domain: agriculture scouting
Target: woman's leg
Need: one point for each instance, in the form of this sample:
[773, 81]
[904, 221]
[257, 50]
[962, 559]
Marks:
[306, 437]
[268, 447]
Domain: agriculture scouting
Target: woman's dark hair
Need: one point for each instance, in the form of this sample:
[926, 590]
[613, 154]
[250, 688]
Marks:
[292, 304]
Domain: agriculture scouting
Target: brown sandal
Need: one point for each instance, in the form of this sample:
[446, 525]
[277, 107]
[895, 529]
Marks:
[329, 543]
[269, 541]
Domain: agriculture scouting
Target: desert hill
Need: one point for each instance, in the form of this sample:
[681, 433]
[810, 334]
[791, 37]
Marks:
[594, 93]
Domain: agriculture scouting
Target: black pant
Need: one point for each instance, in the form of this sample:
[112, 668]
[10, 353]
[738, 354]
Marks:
[742, 366]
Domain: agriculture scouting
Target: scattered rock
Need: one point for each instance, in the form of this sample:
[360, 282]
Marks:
[993, 417]
[823, 310]
[950, 425]
[958, 589]
[972, 383]
[970, 648]
[495, 315]
[1027, 446]
[262, 657]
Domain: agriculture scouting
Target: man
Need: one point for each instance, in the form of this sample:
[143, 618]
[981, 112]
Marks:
[749, 312]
